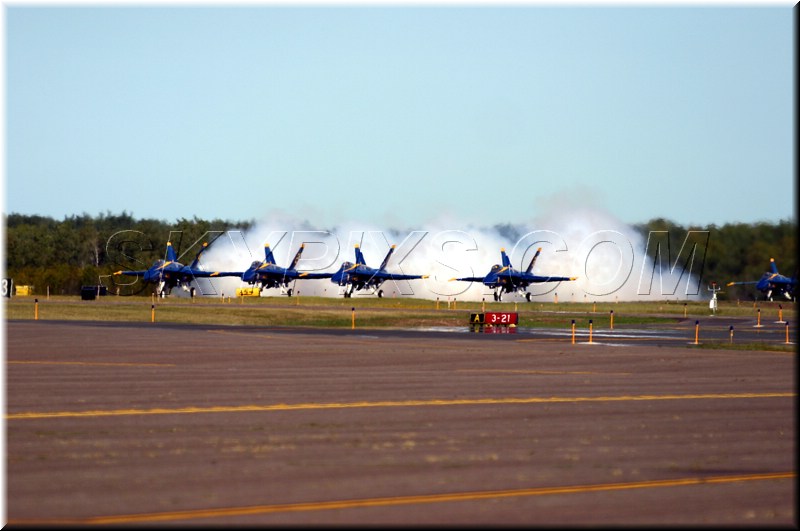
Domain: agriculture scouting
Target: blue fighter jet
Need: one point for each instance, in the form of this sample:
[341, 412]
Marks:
[169, 273]
[506, 279]
[270, 275]
[360, 276]
[773, 283]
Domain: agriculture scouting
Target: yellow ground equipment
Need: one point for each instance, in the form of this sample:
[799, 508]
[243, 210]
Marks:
[248, 292]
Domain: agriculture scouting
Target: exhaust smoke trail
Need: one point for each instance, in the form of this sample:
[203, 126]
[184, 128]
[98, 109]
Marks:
[609, 258]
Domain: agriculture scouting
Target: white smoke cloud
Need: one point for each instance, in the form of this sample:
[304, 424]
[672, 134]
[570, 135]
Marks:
[606, 255]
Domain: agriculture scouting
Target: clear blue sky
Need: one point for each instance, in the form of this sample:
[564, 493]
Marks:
[398, 115]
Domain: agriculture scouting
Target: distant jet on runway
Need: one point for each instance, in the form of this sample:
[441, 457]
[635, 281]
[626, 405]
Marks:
[773, 283]
[506, 279]
[360, 276]
[169, 273]
[270, 275]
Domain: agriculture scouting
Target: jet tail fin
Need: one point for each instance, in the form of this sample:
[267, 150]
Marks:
[533, 260]
[773, 267]
[296, 258]
[359, 256]
[504, 256]
[171, 256]
[268, 258]
[386, 260]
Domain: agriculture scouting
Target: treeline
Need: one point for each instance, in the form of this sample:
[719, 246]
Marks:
[79, 250]
[736, 251]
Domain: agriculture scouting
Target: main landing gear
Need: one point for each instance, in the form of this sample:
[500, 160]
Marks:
[498, 296]
[349, 293]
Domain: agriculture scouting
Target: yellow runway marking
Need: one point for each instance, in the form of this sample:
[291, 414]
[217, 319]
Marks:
[403, 403]
[520, 371]
[258, 335]
[402, 500]
[108, 363]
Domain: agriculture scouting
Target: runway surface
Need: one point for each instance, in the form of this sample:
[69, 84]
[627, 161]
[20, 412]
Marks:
[153, 423]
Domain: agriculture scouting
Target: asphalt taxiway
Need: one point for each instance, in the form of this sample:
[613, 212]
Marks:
[156, 423]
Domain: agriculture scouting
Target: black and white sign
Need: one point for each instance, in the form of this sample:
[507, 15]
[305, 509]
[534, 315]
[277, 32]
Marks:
[8, 286]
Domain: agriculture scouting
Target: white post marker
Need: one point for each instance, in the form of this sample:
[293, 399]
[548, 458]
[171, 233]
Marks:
[712, 304]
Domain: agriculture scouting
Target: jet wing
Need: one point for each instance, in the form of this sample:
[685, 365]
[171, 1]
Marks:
[469, 279]
[131, 273]
[199, 273]
[516, 276]
[306, 274]
[395, 276]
